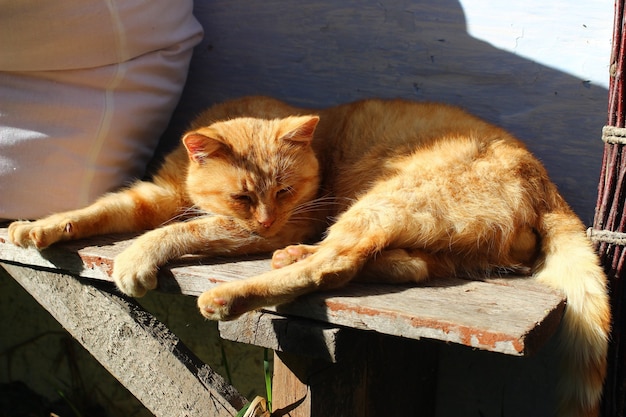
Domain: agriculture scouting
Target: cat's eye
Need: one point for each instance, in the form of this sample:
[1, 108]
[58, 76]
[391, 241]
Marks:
[242, 198]
[284, 191]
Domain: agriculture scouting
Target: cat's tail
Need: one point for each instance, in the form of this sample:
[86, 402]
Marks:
[570, 264]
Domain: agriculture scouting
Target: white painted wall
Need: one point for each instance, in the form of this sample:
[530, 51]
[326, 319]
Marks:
[569, 36]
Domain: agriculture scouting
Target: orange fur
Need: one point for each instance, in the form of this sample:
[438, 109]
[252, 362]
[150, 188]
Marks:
[414, 191]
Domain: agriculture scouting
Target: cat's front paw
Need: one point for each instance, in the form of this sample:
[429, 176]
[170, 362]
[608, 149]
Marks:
[39, 234]
[291, 254]
[223, 302]
[134, 273]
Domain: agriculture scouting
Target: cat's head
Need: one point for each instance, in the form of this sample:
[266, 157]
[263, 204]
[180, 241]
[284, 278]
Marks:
[253, 169]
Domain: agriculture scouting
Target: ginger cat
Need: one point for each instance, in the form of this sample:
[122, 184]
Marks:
[416, 191]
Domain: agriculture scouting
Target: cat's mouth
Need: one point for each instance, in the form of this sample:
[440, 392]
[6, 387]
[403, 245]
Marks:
[266, 231]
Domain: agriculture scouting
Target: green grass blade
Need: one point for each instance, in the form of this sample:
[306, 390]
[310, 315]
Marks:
[268, 379]
[243, 410]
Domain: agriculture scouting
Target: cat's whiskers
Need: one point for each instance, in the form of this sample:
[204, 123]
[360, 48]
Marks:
[320, 204]
[187, 213]
[304, 219]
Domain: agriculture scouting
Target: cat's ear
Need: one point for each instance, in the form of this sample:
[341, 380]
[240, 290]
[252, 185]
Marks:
[201, 144]
[299, 129]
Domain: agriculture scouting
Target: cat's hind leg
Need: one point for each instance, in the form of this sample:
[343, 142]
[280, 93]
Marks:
[364, 231]
[398, 266]
[393, 266]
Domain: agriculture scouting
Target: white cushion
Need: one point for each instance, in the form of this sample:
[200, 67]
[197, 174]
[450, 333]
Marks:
[86, 90]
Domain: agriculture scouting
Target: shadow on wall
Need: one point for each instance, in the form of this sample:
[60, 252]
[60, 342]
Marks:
[323, 53]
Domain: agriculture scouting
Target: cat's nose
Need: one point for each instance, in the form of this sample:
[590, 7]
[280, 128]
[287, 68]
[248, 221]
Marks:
[267, 223]
[265, 216]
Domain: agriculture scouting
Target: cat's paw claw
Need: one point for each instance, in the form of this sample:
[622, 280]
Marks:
[290, 255]
[214, 305]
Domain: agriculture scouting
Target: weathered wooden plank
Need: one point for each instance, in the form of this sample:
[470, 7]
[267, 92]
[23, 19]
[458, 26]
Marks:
[513, 315]
[131, 344]
[93, 258]
[500, 318]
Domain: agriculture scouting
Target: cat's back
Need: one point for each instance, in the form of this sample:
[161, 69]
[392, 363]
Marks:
[373, 140]
[393, 122]
[375, 130]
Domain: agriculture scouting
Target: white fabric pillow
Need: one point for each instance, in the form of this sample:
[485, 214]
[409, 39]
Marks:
[86, 89]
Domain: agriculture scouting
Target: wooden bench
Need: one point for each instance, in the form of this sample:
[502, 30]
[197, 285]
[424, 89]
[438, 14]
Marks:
[338, 352]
